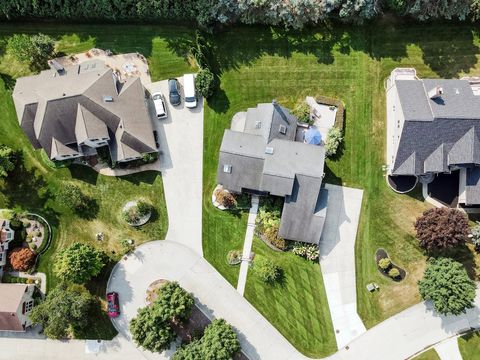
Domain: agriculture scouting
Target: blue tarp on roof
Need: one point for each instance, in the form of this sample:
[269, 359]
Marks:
[313, 136]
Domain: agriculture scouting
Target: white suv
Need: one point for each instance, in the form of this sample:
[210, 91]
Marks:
[159, 102]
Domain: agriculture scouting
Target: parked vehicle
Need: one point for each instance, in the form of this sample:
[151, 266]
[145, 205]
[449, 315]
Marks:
[173, 93]
[189, 89]
[113, 307]
[155, 136]
[160, 108]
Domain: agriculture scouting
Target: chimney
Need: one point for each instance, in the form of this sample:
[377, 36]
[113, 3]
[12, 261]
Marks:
[436, 92]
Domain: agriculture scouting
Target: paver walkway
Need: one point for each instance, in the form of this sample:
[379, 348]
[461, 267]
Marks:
[337, 261]
[448, 350]
[247, 246]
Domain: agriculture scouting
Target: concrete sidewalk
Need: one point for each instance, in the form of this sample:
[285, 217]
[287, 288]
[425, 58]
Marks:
[448, 349]
[337, 261]
[247, 246]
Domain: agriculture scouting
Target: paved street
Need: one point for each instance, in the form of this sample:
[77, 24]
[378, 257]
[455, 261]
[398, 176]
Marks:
[337, 261]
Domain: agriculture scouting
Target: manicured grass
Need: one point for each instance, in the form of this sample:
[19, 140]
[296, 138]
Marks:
[469, 345]
[33, 184]
[428, 355]
[297, 306]
[350, 64]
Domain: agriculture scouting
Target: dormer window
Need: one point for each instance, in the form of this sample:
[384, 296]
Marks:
[227, 169]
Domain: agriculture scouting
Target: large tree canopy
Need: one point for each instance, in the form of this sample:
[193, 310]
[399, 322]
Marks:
[64, 310]
[78, 263]
[35, 50]
[174, 301]
[442, 228]
[447, 284]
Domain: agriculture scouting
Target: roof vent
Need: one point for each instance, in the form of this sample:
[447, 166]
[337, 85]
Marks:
[258, 124]
[283, 129]
[227, 169]
[436, 92]
[269, 150]
[107, 98]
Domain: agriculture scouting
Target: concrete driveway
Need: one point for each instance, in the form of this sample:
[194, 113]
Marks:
[337, 261]
[181, 159]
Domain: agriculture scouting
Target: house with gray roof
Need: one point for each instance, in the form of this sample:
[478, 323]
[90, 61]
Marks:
[72, 112]
[433, 128]
[260, 155]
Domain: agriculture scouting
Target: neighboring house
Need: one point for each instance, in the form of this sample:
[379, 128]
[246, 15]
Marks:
[71, 112]
[260, 155]
[433, 127]
[6, 236]
[16, 302]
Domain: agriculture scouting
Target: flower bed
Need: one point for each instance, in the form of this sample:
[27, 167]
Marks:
[234, 257]
[137, 213]
[382, 254]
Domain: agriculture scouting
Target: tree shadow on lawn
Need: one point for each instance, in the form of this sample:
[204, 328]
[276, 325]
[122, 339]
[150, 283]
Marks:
[146, 177]
[8, 81]
[330, 177]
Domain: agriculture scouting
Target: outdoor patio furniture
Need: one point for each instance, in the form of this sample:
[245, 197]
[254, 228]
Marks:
[372, 287]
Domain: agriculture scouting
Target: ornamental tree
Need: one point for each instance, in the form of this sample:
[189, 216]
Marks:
[267, 271]
[64, 310]
[442, 228]
[78, 263]
[72, 197]
[7, 160]
[446, 283]
[21, 259]
[151, 329]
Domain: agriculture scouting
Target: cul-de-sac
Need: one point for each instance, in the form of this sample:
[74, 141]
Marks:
[240, 180]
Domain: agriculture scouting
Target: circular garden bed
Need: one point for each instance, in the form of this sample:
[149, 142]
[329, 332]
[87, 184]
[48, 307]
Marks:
[137, 213]
[389, 269]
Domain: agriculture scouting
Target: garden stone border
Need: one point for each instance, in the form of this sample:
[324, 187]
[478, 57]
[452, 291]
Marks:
[382, 254]
[142, 221]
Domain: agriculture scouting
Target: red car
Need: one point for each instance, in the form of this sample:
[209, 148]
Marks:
[113, 308]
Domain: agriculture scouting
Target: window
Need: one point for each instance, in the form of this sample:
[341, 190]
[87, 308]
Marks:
[227, 169]
[28, 306]
[1, 256]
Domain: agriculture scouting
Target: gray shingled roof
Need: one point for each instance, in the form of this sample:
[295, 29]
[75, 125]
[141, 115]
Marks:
[290, 169]
[47, 107]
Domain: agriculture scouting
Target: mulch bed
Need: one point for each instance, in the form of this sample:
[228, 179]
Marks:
[268, 243]
[382, 254]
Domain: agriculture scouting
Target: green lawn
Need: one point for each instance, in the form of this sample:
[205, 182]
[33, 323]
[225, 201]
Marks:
[298, 306]
[350, 64]
[428, 355]
[32, 186]
[469, 345]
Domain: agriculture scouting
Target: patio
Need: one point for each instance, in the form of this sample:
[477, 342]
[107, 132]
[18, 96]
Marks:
[124, 65]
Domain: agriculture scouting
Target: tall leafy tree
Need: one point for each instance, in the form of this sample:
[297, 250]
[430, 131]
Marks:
[35, 50]
[442, 228]
[78, 263]
[7, 160]
[447, 284]
[64, 310]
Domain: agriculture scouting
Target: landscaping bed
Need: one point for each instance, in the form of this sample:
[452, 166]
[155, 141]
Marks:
[382, 254]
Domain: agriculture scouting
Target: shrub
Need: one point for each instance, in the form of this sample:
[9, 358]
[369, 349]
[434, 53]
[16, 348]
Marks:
[442, 228]
[446, 283]
[143, 208]
[309, 252]
[205, 83]
[175, 301]
[7, 160]
[302, 112]
[78, 263]
[394, 273]
[334, 138]
[21, 259]
[16, 224]
[127, 245]
[384, 263]
[33, 246]
[476, 235]
[267, 271]
[268, 224]
[225, 198]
